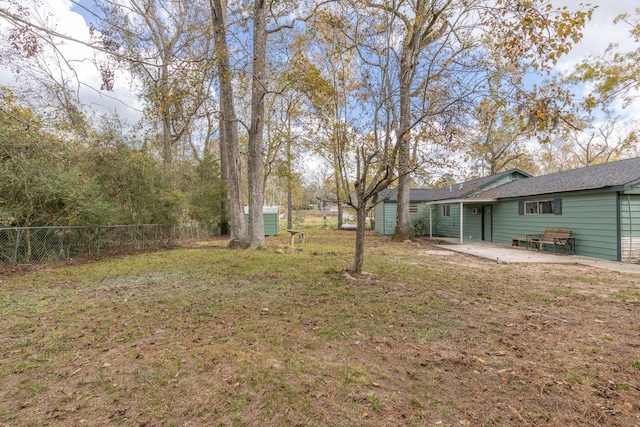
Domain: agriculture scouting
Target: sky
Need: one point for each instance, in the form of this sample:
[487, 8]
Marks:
[67, 20]
[599, 33]
[72, 20]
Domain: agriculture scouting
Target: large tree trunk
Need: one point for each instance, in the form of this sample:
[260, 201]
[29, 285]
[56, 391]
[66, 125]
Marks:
[167, 149]
[402, 230]
[238, 235]
[361, 226]
[167, 139]
[289, 180]
[254, 163]
[224, 200]
[338, 195]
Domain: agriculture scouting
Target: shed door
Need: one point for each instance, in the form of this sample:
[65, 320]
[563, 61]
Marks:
[486, 223]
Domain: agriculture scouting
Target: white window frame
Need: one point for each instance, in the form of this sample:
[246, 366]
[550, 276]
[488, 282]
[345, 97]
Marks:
[446, 210]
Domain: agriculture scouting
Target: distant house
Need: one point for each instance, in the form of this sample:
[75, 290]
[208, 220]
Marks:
[422, 203]
[384, 213]
[600, 204]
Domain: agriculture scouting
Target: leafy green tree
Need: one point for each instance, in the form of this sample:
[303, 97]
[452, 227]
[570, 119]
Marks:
[40, 183]
[134, 180]
[206, 191]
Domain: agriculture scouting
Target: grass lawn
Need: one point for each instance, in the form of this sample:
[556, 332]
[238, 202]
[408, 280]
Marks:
[206, 336]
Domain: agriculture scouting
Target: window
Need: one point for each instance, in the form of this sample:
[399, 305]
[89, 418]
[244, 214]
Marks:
[413, 208]
[553, 207]
[446, 210]
[545, 207]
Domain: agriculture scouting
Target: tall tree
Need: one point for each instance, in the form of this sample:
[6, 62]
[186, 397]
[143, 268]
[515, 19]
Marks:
[161, 42]
[228, 125]
[592, 142]
[326, 72]
[283, 130]
[436, 39]
[256, 128]
[496, 142]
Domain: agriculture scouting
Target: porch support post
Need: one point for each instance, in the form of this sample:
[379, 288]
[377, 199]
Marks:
[430, 222]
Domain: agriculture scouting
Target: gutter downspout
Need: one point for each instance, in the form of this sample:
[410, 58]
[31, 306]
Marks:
[461, 222]
[630, 228]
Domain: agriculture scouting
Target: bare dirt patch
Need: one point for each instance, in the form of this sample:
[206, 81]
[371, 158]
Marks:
[209, 336]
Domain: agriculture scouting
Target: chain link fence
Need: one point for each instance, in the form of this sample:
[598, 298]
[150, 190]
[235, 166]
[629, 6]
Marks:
[25, 246]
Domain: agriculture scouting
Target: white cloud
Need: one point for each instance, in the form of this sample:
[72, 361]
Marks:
[82, 71]
[600, 31]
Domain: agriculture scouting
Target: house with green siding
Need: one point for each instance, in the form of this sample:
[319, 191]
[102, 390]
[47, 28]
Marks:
[384, 213]
[600, 204]
[431, 204]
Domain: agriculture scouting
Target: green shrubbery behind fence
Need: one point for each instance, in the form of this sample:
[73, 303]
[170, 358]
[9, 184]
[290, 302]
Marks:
[21, 246]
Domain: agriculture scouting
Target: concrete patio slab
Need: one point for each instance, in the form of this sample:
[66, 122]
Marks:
[511, 254]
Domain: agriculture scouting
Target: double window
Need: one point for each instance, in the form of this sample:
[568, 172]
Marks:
[541, 207]
[446, 210]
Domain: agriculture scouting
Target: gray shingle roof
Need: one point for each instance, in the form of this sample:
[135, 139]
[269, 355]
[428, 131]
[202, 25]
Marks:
[417, 195]
[607, 176]
[465, 189]
[454, 191]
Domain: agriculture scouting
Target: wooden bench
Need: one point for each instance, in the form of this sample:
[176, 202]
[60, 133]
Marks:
[557, 237]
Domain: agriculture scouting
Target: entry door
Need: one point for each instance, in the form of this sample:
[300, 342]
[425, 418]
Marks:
[486, 223]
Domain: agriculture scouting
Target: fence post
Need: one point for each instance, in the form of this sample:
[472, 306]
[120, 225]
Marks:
[15, 250]
[142, 237]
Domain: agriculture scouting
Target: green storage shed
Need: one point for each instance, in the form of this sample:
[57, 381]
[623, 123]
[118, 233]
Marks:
[271, 215]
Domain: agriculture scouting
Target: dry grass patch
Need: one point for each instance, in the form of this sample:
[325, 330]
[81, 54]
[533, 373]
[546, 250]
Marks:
[208, 336]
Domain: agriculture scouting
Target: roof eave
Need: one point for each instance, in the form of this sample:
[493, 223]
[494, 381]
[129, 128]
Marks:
[455, 201]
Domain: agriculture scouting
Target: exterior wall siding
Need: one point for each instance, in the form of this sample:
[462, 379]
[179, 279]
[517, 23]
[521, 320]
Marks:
[390, 210]
[472, 222]
[630, 227]
[271, 223]
[385, 216]
[447, 226]
[591, 217]
[378, 215]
